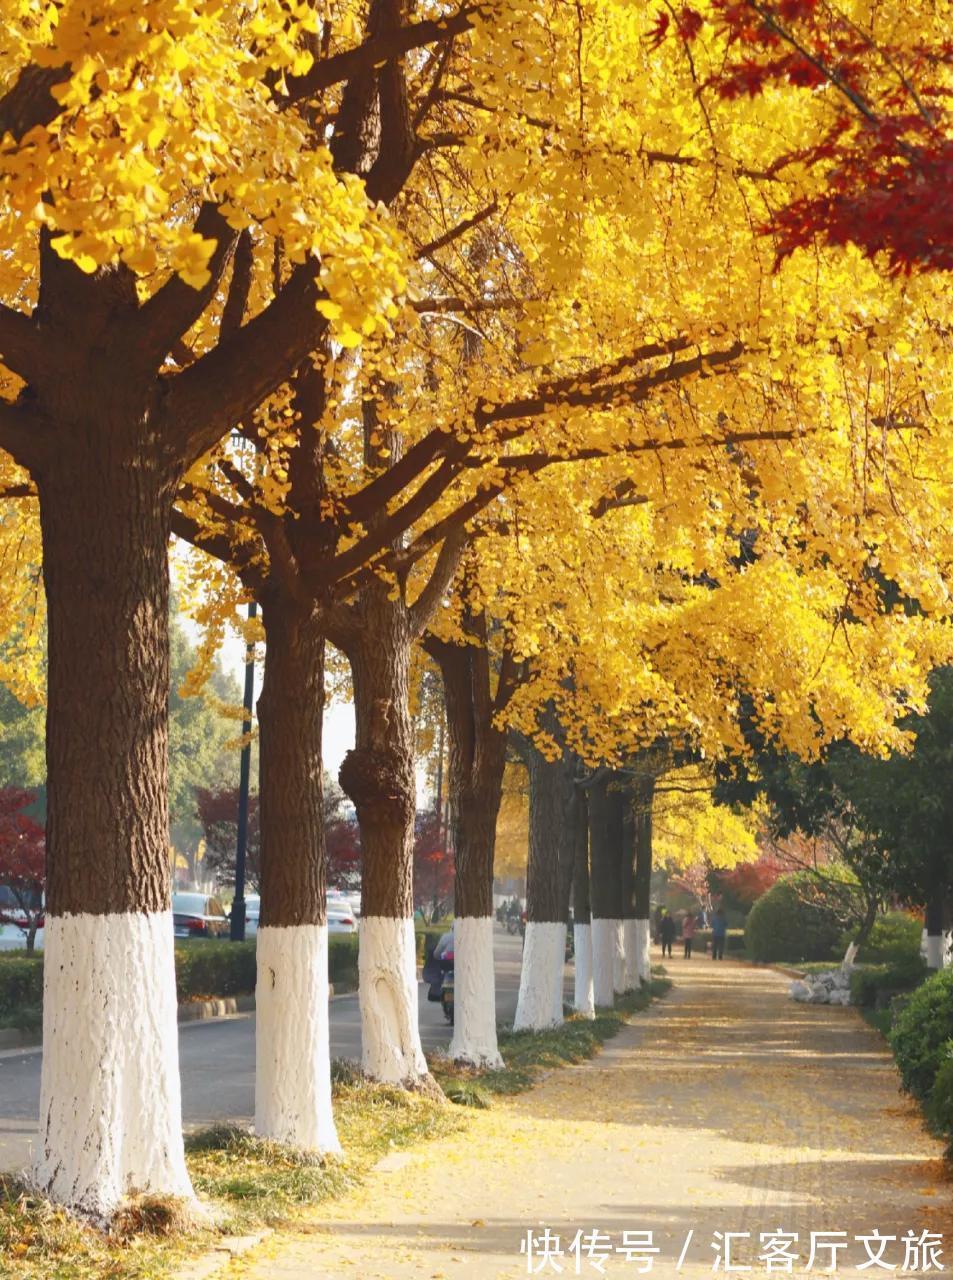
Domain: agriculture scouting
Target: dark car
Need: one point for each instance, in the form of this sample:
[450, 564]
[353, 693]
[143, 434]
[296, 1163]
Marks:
[197, 915]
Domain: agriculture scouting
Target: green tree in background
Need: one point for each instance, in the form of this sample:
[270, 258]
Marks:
[203, 743]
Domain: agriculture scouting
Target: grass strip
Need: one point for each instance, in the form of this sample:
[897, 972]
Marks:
[527, 1054]
[250, 1182]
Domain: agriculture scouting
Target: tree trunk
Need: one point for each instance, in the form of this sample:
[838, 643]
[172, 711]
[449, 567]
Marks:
[477, 757]
[605, 827]
[936, 958]
[630, 969]
[110, 1108]
[378, 776]
[540, 1002]
[583, 1001]
[642, 878]
[292, 1053]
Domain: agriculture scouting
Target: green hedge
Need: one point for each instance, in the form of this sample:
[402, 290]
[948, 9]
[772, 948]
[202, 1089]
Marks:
[867, 984]
[205, 968]
[21, 983]
[921, 1033]
[793, 921]
[202, 969]
[895, 937]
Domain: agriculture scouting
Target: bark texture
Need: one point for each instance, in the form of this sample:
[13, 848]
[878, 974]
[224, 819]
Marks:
[605, 834]
[290, 711]
[106, 516]
[477, 757]
[378, 774]
[548, 877]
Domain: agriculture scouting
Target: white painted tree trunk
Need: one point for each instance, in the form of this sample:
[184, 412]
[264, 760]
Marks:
[292, 1051]
[541, 978]
[643, 949]
[935, 950]
[387, 972]
[618, 959]
[474, 993]
[850, 955]
[110, 1100]
[583, 1001]
[604, 938]
[631, 955]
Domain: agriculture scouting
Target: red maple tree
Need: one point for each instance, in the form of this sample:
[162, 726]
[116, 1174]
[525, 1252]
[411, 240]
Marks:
[22, 862]
[433, 867]
[887, 147]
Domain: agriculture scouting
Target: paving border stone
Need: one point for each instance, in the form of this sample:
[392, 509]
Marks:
[221, 1255]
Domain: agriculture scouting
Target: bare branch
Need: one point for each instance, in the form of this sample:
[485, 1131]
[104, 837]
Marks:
[448, 237]
[576, 393]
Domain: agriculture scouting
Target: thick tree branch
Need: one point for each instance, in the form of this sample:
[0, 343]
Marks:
[437, 585]
[174, 308]
[208, 399]
[29, 103]
[23, 349]
[379, 48]
[233, 313]
[24, 434]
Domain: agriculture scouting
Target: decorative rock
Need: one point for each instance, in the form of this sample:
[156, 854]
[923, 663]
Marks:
[830, 987]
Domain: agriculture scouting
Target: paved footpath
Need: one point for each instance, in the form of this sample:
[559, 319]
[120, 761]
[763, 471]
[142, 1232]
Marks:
[726, 1108]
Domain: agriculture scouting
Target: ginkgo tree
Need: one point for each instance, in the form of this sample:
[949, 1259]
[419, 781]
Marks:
[139, 145]
[204, 206]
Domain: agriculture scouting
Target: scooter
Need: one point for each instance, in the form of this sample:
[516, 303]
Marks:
[446, 987]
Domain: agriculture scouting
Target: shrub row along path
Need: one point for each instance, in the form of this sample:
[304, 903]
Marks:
[726, 1107]
[218, 1060]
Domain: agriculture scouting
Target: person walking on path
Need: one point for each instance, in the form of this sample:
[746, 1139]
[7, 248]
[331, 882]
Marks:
[688, 933]
[667, 931]
[719, 932]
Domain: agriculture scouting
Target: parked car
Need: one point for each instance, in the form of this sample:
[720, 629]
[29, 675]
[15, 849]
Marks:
[341, 917]
[252, 914]
[198, 915]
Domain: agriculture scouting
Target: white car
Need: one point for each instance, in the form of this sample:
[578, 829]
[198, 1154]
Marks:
[341, 916]
[252, 912]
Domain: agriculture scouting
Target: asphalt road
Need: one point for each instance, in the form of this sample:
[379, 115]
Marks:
[217, 1060]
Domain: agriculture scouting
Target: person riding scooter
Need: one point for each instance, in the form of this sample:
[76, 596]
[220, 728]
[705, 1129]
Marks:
[438, 972]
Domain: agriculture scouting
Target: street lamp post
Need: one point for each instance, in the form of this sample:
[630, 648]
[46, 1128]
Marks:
[238, 905]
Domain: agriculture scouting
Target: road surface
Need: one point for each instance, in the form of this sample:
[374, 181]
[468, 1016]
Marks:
[217, 1060]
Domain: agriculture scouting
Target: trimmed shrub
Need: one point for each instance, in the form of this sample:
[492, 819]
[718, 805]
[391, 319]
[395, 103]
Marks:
[922, 1031]
[207, 969]
[940, 1105]
[894, 937]
[342, 960]
[795, 920]
[203, 970]
[867, 984]
[21, 984]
